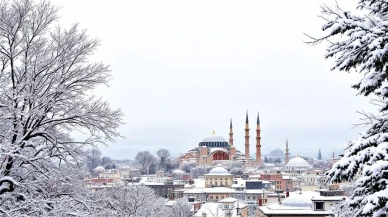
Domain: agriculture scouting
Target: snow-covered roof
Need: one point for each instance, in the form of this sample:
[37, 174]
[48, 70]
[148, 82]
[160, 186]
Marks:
[298, 162]
[240, 183]
[209, 190]
[214, 141]
[178, 172]
[216, 208]
[255, 191]
[228, 200]
[219, 171]
[214, 138]
[198, 183]
[298, 200]
[99, 168]
[328, 198]
[275, 209]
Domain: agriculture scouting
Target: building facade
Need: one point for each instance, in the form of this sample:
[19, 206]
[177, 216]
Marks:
[215, 148]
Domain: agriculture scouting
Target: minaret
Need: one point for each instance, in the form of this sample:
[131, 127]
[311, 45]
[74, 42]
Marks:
[231, 134]
[319, 155]
[287, 153]
[232, 150]
[246, 137]
[258, 138]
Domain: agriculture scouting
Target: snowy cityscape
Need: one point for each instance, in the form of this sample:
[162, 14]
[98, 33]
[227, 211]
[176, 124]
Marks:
[178, 108]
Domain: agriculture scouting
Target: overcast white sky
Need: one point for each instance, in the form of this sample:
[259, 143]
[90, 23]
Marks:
[183, 68]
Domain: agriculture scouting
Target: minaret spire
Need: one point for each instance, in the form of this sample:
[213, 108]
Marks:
[247, 137]
[258, 138]
[231, 133]
[287, 153]
[319, 155]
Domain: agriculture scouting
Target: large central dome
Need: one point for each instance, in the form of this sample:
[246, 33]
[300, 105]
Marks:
[214, 141]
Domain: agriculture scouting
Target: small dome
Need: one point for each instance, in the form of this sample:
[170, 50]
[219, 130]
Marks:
[298, 162]
[297, 200]
[99, 169]
[214, 141]
[219, 171]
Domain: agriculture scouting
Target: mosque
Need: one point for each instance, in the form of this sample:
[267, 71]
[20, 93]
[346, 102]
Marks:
[213, 149]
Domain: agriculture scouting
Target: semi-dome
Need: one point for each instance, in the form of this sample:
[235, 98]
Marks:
[298, 162]
[218, 171]
[297, 200]
[214, 141]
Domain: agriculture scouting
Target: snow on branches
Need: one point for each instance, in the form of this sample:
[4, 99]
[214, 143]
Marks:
[46, 81]
[134, 200]
[363, 47]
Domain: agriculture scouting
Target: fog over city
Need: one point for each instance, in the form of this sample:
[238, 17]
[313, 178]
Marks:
[181, 69]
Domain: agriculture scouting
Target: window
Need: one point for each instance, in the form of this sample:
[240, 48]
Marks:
[211, 197]
[226, 206]
[222, 197]
[216, 197]
[221, 183]
[319, 206]
[191, 199]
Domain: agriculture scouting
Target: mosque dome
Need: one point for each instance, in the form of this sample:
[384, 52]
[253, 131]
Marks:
[298, 162]
[99, 169]
[218, 171]
[297, 200]
[214, 141]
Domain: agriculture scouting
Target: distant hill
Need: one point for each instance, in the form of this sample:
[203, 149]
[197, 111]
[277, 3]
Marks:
[276, 152]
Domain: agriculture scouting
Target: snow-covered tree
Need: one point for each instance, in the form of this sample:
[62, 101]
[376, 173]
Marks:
[164, 158]
[236, 168]
[198, 171]
[237, 171]
[252, 209]
[64, 194]
[93, 158]
[147, 161]
[134, 201]
[186, 166]
[46, 85]
[358, 43]
[107, 163]
[182, 208]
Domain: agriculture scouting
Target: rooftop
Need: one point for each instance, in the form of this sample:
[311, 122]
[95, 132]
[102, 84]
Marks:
[219, 171]
[298, 162]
